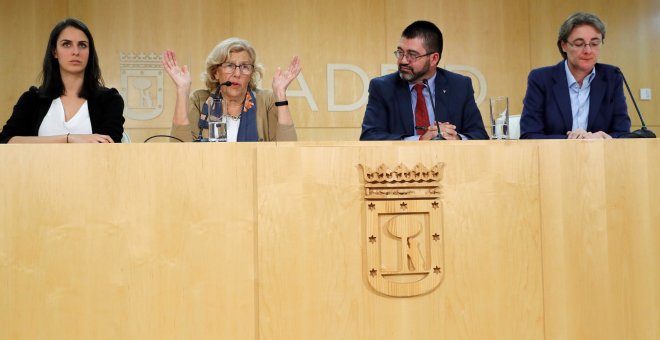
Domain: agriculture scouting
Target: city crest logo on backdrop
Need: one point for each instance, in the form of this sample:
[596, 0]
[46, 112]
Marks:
[142, 85]
[403, 241]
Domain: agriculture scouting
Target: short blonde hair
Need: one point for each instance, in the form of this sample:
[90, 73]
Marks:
[221, 53]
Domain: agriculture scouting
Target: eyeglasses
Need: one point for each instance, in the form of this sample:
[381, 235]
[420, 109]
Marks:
[229, 68]
[411, 57]
[580, 44]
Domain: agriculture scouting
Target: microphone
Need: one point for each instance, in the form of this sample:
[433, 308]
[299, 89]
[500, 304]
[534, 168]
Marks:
[643, 132]
[435, 113]
[216, 94]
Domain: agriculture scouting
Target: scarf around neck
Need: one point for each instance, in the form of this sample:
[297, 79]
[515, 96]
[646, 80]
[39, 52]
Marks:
[247, 130]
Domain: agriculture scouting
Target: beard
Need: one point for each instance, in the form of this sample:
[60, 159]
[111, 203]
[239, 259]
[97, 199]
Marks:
[408, 73]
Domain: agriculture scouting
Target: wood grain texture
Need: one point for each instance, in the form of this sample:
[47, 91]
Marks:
[24, 30]
[492, 261]
[600, 240]
[542, 240]
[127, 241]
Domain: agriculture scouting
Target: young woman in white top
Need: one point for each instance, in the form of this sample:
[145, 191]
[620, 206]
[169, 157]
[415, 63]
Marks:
[71, 105]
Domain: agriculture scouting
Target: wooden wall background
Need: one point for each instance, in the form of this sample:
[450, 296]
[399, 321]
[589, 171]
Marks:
[503, 39]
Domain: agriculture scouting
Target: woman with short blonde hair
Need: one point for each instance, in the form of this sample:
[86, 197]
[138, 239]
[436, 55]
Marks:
[232, 76]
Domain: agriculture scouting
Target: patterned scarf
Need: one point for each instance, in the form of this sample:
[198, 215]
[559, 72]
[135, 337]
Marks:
[247, 130]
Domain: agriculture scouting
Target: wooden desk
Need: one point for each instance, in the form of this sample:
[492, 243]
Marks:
[542, 240]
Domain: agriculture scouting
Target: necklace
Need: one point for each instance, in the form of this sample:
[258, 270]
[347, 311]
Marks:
[233, 117]
[240, 112]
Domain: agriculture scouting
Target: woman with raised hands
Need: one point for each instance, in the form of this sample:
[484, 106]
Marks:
[232, 74]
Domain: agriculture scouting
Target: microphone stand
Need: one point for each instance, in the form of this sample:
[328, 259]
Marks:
[643, 132]
[435, 114]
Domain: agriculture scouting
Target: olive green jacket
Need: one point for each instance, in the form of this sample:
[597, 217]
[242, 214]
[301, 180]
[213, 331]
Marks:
[267, 126]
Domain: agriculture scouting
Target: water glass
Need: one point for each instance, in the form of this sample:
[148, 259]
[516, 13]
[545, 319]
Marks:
[499, 117]
[218, 130]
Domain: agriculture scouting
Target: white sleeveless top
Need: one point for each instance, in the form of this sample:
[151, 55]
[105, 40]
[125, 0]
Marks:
[54, 124]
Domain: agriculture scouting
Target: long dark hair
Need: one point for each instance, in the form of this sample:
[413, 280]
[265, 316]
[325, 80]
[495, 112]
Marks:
[51, 79]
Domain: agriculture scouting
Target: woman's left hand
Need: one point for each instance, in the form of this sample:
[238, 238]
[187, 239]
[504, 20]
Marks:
[282, 79]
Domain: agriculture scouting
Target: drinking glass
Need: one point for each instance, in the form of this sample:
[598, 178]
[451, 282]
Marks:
[217, 122]
[218, 130]
[499, 117]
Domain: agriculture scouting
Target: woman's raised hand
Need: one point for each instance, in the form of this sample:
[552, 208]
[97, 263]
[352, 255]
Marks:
[180, 75]
[282, 79]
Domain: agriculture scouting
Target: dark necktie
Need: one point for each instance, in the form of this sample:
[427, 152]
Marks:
[421, 112]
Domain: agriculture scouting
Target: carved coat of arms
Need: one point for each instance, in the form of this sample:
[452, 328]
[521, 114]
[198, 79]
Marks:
[142, 85]
[403, 245]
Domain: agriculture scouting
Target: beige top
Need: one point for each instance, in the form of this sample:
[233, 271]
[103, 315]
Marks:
[267, 126]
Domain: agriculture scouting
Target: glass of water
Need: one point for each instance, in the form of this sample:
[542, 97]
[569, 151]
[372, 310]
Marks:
[218, 130]
[499, 117]
[217, 121]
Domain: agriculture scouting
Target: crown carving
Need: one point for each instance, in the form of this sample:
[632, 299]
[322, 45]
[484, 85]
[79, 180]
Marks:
[402, 174]
[402, 182]
[140, 58]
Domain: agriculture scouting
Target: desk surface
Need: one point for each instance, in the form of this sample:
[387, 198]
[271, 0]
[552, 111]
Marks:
[542, 240]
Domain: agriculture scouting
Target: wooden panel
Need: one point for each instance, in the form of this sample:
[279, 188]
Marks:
[24, 30]
[328, 134]
[127, 242]
[542, 240]
[310, 240]
[138, 135]
[600, 239]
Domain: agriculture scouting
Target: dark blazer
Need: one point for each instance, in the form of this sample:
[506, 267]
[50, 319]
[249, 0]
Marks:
[106, 114]
[547, 104]
[389, 113]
